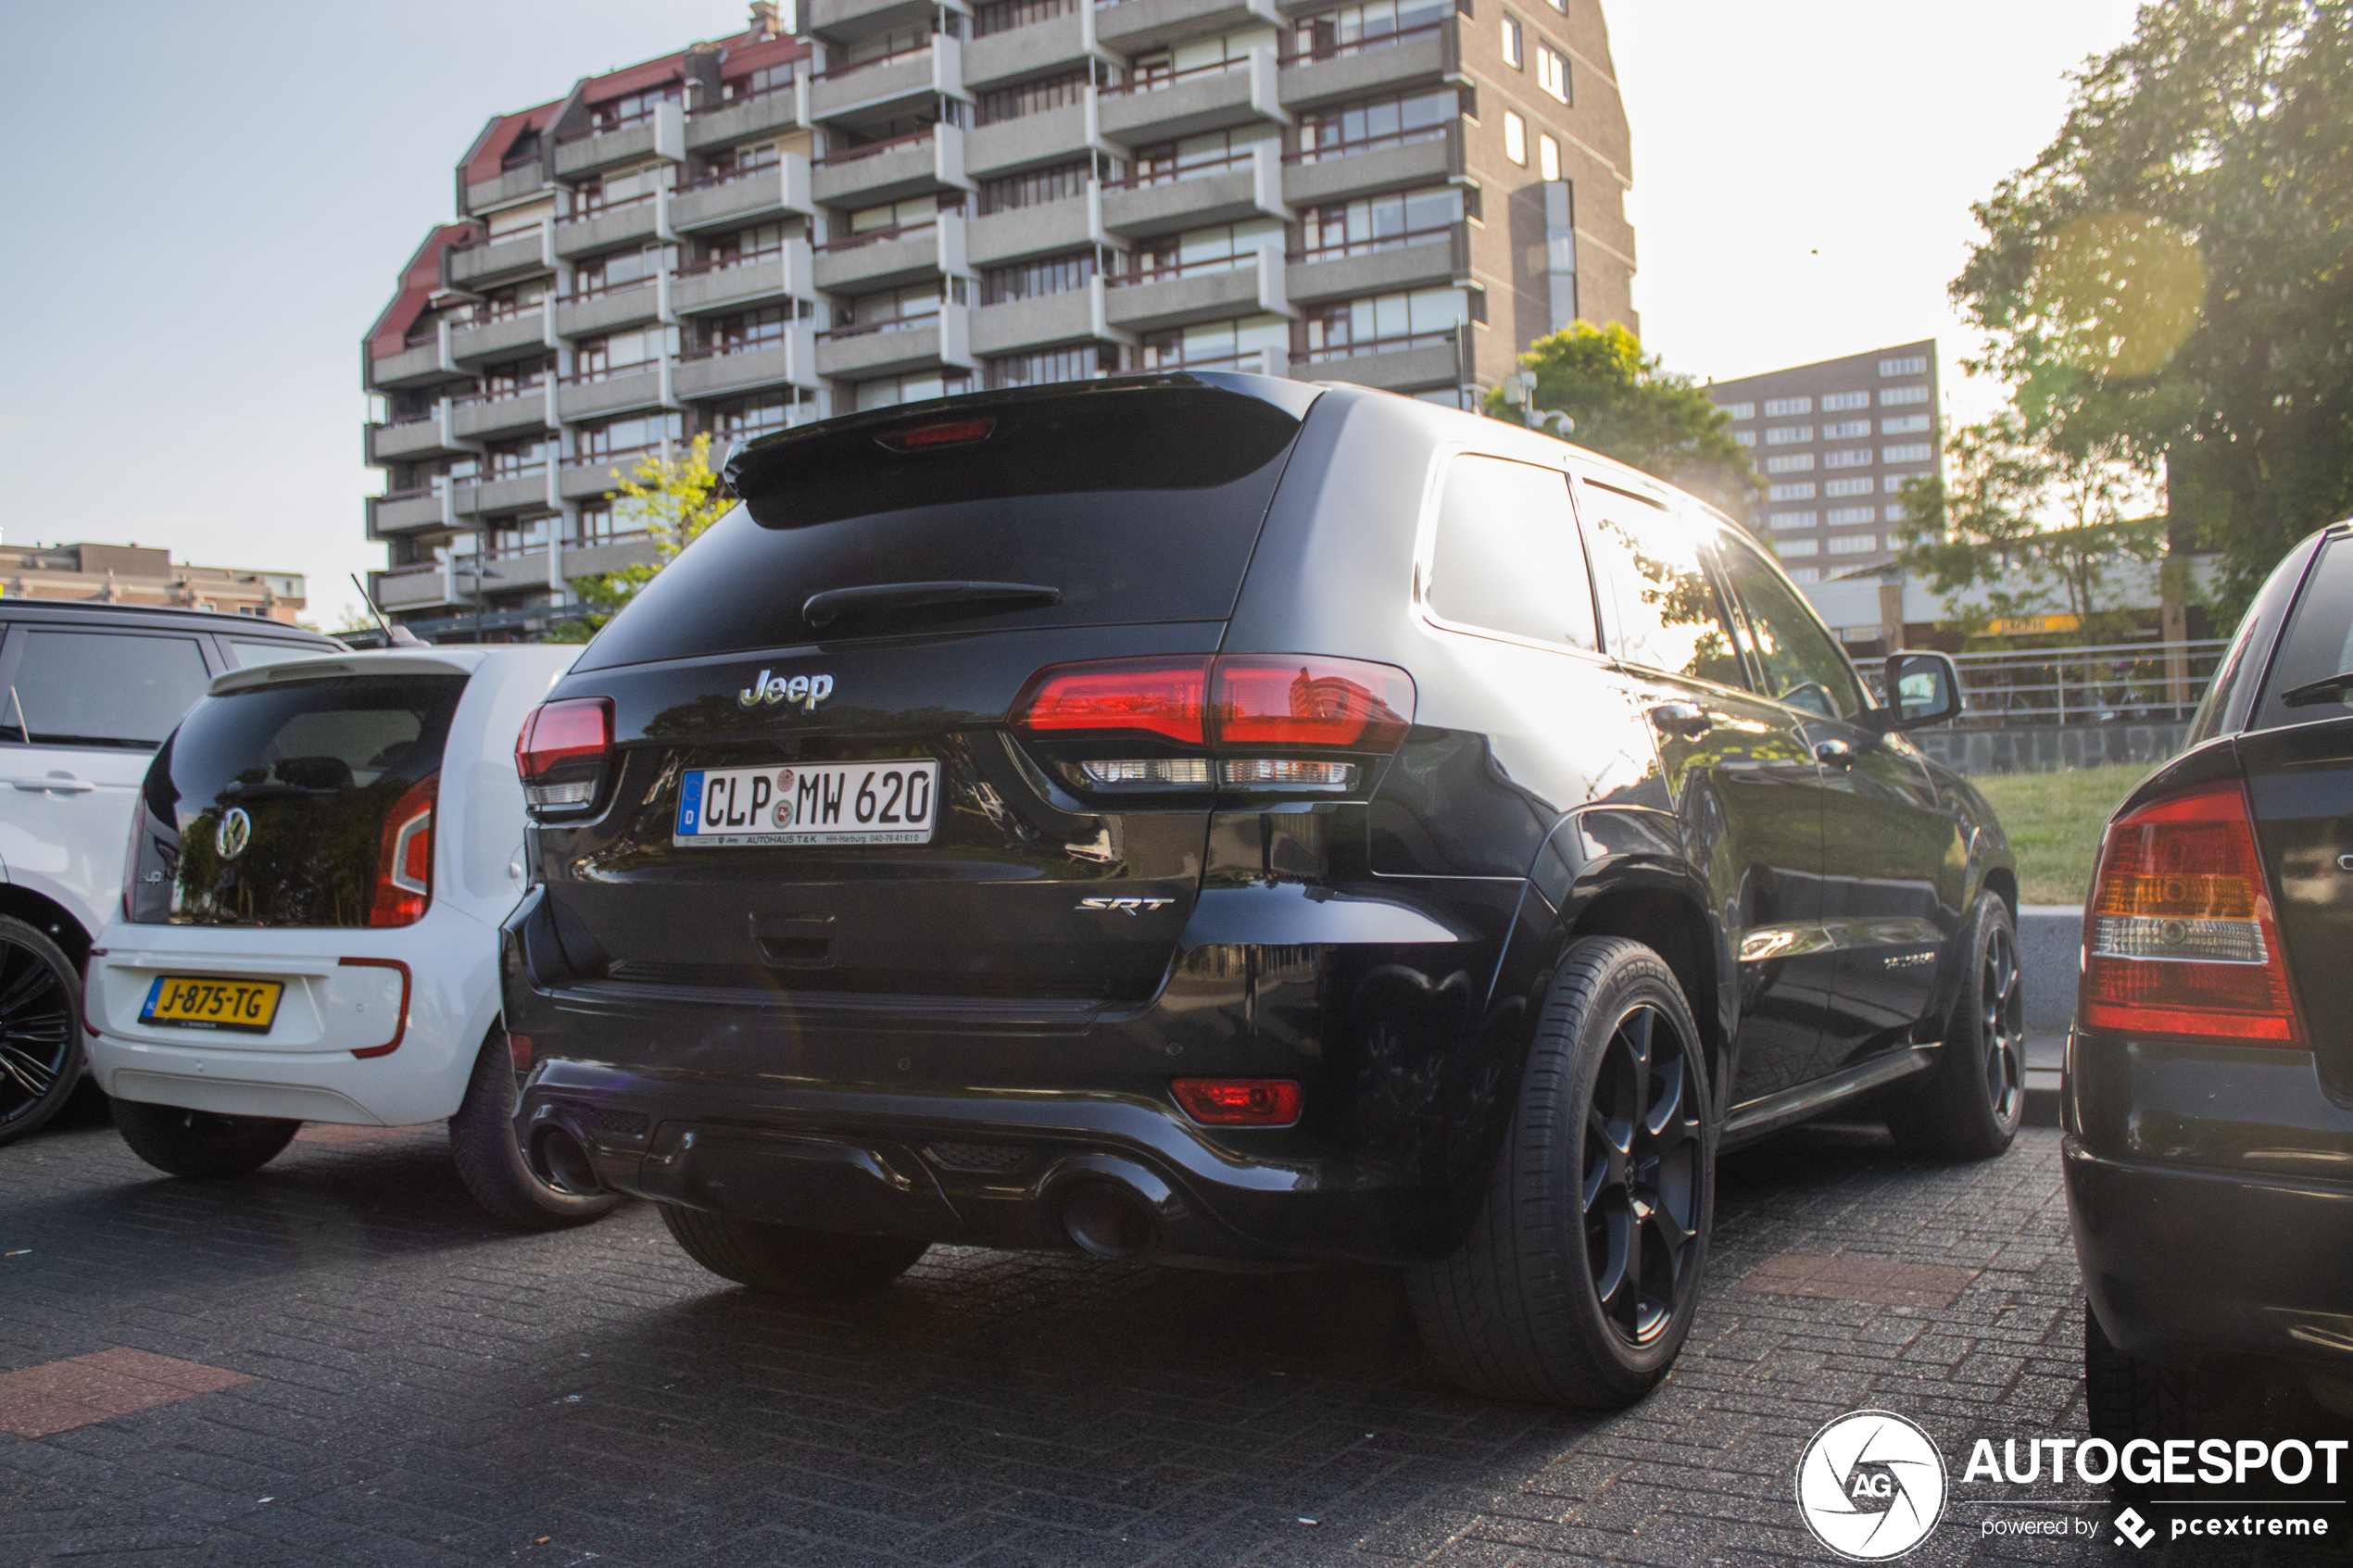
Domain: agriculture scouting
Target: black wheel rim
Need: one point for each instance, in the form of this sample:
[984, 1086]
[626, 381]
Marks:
[2002, 1025]
[1642, 1179]
[36, 1029]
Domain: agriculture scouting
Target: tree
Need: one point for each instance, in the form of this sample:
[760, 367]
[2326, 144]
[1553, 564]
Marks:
[672, 500]
[2171, 281]
[1626, 407]
[2024, 531]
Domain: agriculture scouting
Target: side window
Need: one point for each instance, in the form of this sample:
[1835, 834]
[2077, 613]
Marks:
[100, 688]
[1669, 616]
[2317, 645]
[1507, 557]
[1803, 666]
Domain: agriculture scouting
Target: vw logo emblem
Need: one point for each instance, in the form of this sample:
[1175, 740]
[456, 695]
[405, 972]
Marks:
[234, 830]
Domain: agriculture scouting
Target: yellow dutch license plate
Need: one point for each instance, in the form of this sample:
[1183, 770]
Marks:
[189, 1001]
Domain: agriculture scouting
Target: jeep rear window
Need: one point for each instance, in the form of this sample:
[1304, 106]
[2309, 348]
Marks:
[1136, 503]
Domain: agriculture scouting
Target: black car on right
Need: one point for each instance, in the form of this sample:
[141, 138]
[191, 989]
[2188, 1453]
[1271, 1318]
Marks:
[2208, 1092]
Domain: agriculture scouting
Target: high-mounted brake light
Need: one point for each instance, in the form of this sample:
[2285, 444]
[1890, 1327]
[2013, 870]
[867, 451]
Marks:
[2179, 939]
[1239, 1102]
[954, 432]
[404, 863]
[561, 753]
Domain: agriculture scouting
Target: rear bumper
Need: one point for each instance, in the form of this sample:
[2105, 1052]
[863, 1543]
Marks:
[2210, 1214]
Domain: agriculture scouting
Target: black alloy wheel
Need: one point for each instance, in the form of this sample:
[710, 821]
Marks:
[2002, 1024]
[40, 1029]
[1641, 1168]
[1973, 1102]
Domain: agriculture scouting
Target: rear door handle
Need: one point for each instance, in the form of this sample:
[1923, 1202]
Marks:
[59, 783]
[1688, 720]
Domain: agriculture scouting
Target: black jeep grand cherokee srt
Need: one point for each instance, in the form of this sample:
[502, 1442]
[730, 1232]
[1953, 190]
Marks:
[1223, 819]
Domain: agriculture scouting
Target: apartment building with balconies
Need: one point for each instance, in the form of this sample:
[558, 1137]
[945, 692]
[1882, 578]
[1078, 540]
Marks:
[910, 198]
[1835, 443]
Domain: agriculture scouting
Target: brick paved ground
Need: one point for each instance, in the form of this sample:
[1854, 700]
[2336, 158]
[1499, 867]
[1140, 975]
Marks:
[420, 1387]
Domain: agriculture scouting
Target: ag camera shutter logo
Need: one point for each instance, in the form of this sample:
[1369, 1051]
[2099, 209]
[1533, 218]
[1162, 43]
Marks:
[1871, 1486]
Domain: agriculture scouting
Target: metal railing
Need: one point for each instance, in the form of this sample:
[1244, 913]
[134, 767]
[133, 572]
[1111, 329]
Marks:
[1342, 249]
[1377, 143]
[1153, 81]
[1170, 173]
[2115, 683]
[851, 68]
[1342, 49]
[734, 258]
[1444, 337]
[1146, 274]
[732, 172]
[863, 238]
[870, 149]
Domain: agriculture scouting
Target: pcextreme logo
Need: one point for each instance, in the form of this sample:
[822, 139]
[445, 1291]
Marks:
[1871, 1486]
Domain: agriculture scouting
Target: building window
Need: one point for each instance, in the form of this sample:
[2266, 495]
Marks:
[634, 109]
[756, 85]
[1847, 487]
[1893, 483]
[1848, 429]
[1892, 396]
[891, 391]
[1383, 323]
[622, 438]
[1209, 153]
[1511, 42]
[1854, 544]
[1548, 157]
[616, 270]
[1839, 402]
[1033, 97]
[738, 247]
[1804, 574]
[1003, 16]
[1847, 517]
[1855, 459]
[513, 379]
[1910, 424]
[1514, 137]
[1551, 71]
[1213, 344]
[519, 457]
[737, 163]
[1918, 453]
[593, 525]
[1080, 363]
[1378, 223]
[889, 311]
[1037, 187]
[625, 188]
[622, 353]
[1220, 247]
[1793, 519]
[1743, 438]
[1030, 280]
[1373, 25]
[515, 300]
[1914, 365]
[1803, 491]
[743, 418]
[1786, 548]
[1376, 123]
[1801, 463]
[1777, 407]
[1739, 410]
[742, 332]
[1788, 435]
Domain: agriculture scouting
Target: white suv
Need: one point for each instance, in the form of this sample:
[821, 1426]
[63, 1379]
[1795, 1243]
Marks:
[323, 853]
[86, 692]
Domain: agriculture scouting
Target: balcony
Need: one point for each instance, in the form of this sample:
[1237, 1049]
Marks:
[889, 258]
[1414, 364]
[1030, 142]
[404, 511]
[511, 184]
[486, 266]
[1205, 292]
[725, 124]
[1140, 26]
[1377, 163]
[764, 278]
[495, 497]
[630, 306]
[847, 20]
[776, 192]
[926, 343]
[1428, 257]
[750, 369]
[1210, 98]
[405, 440]
[1245, 185]
[895, 84]
[411, 588]
[417, 366]
[661, 134]
[1045, 229]
[587, 479]
[620, 393]
[1035, 50]
[605, 555]
[622, 223]
[482, 419]
[1421, 56]
[927, 163]
[506, 337]
[1021, 326]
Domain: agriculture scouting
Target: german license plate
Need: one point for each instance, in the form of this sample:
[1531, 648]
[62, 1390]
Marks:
[829, 803]
[192, 1002]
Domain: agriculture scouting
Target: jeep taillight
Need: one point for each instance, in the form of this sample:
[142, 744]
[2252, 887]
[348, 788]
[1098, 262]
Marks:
[561, 753]
[1259, 722]
[2177, 938]
[404, 860]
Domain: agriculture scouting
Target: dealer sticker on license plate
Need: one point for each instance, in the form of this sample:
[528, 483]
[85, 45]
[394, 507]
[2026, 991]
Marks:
[828, 803]
[192, 1001]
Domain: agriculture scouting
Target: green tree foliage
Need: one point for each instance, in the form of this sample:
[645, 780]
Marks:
[2170, 283]
[1626, 407]
[2024, 529]
[672, 500]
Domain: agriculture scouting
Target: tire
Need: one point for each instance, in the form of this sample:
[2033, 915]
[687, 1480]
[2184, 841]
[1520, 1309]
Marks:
[40, 1028]
[2126, 1398]
[1611, 1146]
[1974, 1100]
[200, 1143]
[482, 1141]
[781, 1261]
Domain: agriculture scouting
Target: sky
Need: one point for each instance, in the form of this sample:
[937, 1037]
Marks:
[211, 203]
